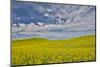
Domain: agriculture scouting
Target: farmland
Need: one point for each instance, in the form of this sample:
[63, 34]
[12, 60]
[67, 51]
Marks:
[45, 51]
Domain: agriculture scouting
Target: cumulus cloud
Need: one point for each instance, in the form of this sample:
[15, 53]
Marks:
[69, 18]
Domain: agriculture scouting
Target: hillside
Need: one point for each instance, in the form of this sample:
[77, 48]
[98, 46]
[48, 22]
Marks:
[44, 51]
[79, 41]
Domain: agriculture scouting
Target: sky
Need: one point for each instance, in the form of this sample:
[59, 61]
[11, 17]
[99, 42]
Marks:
[52, 21]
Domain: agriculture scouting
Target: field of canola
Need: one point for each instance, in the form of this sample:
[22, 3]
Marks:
[43, 51]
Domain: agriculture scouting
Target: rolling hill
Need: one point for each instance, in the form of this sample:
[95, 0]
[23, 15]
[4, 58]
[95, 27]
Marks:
[44, 51]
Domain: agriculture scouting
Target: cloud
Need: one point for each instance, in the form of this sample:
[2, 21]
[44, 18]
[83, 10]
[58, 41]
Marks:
[46, 14]
[46, 20]
[54, 31]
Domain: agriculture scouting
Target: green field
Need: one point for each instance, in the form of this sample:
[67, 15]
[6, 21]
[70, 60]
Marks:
[44, 51]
